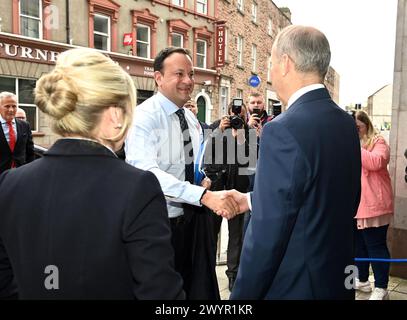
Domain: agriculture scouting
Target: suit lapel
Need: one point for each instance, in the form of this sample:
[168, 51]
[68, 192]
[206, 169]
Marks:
[20, 132]
[3, 139]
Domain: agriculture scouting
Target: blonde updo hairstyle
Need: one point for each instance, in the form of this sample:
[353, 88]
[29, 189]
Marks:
[82, 85]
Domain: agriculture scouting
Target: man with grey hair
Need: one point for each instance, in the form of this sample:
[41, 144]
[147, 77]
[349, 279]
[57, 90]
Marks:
[16, 144]
[20, 114]
[299, 242]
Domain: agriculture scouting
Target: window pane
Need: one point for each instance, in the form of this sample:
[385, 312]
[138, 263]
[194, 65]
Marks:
[31, 113]
[101, 24]
[201, 6]
[100, 42]
[26, 91]
[142, 50]
[178, 2]
[177, 40]
[30, 7]
[200, 47]
[30, 27]
[142, 33]
[7, 84]
[200, 61]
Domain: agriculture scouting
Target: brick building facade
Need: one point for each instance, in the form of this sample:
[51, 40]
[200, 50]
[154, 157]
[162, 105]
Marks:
[34, 32]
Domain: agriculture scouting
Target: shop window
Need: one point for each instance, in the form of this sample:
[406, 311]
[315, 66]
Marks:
[143, 95]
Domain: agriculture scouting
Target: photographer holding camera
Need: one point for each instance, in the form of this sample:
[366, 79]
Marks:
[229, 142]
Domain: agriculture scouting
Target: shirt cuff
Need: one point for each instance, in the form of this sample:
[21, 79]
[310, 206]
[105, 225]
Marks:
[249, 200]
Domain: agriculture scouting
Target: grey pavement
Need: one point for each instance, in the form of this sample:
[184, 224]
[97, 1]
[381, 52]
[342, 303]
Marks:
[397, 286]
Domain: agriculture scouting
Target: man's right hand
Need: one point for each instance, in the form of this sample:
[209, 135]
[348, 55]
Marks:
[221, 204]
[239, 198]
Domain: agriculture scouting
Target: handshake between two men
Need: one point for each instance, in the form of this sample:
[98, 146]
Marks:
[227, 204]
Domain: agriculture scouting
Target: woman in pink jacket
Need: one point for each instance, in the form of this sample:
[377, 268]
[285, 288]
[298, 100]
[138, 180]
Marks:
[375, 209]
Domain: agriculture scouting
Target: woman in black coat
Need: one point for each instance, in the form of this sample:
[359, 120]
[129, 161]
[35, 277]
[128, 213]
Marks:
[80, 223]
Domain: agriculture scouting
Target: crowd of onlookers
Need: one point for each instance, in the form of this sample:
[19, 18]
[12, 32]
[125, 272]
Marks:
[146, 227]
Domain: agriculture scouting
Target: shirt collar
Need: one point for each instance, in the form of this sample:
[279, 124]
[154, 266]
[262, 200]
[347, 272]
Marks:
[168, 106]
[296, 95]
[4, 121]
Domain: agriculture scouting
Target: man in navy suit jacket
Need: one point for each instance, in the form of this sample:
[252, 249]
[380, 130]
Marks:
[23, 151]
[307, 188]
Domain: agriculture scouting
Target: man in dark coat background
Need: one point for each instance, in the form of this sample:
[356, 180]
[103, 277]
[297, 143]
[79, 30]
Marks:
[16, 144]
[299, 240]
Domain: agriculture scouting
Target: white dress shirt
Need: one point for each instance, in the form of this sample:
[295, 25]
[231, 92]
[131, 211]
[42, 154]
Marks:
[155, 143]
[297, 94]
[4, 125]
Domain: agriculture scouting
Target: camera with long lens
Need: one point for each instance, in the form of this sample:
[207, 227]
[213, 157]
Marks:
[236, 121]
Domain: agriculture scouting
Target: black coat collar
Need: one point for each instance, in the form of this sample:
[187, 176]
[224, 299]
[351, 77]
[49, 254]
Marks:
[78, 147]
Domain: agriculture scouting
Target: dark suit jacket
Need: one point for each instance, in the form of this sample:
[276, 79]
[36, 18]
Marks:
[101, 222]
[23, 150]
[306, 193]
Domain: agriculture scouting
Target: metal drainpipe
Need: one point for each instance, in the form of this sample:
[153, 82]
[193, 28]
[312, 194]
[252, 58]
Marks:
[68, 27]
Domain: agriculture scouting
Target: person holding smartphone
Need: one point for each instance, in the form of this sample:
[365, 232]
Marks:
[258, 115]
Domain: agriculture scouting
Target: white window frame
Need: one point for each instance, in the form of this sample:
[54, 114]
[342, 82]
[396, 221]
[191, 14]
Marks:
[240, 5]
[39, 19]
[203, 4]
[179, 3]
[108, 34]
[270, 27]
[254, 12]
[269, 69]
[239, 93]
[181, 37]
[200, 54]
[239, 50]
[143, 42]
[254, 57]
[224, 99]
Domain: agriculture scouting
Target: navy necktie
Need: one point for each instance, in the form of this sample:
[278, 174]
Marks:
[188, 151]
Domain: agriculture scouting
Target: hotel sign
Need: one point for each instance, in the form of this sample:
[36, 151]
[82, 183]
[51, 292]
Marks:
[19, 52]
[220, 45]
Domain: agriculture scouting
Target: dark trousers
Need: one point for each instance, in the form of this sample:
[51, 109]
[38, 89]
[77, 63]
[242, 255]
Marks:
[235, 242]
[181, 250]
[193, 243]
[372, 243]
